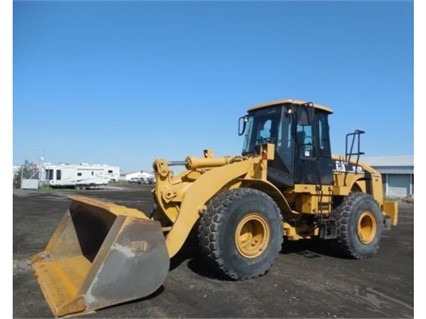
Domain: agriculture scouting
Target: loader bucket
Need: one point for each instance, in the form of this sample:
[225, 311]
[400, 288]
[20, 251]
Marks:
[101, 254]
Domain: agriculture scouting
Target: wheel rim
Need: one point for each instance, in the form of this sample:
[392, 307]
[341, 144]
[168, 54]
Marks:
[367, 227]
[252, 235]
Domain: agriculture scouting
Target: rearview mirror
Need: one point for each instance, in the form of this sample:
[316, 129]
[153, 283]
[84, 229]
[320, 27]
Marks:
[242, 122]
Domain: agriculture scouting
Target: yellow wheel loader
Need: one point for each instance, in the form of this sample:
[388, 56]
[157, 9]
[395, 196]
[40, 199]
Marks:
[285, 184]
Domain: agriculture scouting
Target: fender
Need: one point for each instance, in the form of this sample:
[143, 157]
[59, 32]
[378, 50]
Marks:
[270, 189]
[367, 180]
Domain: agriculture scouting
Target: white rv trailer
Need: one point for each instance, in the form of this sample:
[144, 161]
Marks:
[80, 175]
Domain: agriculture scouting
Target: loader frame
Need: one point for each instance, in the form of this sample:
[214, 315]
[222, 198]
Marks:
[285, 184]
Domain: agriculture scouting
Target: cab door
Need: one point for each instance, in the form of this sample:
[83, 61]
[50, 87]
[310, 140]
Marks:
[313, 164]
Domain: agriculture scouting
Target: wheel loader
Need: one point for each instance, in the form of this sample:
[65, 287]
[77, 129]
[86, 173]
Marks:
[286, 184]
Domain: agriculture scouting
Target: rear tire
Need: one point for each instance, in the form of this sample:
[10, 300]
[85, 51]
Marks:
[240, 233]
[359, 226]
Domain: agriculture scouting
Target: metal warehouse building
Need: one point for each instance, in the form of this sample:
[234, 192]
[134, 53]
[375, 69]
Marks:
[397, 173]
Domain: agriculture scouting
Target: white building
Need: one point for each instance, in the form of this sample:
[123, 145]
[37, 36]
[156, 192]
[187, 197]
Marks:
[397, 173]
[139, 174]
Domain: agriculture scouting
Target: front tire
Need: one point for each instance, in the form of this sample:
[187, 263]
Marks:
[240, 233]
[359, 226]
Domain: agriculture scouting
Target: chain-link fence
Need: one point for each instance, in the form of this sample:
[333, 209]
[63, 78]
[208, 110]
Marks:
[27, 175]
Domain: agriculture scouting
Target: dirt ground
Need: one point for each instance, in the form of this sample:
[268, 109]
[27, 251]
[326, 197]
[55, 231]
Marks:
[307, 281]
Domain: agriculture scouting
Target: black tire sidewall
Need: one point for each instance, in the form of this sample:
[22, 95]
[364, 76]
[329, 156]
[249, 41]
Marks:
[358, 248]
[235, 212]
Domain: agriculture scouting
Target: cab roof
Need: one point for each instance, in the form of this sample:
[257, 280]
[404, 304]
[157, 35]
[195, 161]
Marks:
[289, 101]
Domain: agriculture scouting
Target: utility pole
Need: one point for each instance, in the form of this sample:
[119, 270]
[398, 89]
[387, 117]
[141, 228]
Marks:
[40, 167]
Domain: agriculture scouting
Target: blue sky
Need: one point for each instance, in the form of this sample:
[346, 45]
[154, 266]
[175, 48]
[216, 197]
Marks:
[123, 83]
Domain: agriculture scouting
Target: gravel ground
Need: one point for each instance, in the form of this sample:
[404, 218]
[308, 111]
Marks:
[307, 280]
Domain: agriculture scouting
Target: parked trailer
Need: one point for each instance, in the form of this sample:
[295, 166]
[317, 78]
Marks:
[80, 176]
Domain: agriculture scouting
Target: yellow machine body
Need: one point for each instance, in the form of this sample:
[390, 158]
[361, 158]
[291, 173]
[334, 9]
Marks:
[103, 254]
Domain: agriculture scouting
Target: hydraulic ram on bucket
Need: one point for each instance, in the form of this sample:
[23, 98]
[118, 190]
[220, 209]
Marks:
[101, 254]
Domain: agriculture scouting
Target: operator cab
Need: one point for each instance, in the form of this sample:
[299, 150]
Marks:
[300, 132]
